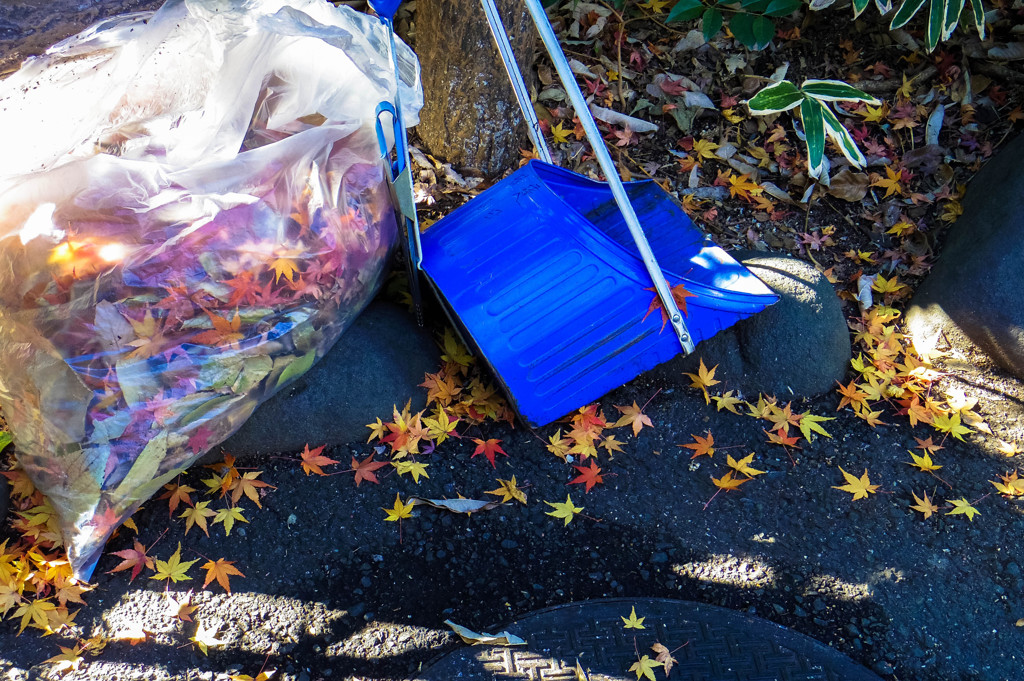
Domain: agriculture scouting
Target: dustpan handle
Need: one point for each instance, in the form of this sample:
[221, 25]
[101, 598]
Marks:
[611, 173]
[515, 77]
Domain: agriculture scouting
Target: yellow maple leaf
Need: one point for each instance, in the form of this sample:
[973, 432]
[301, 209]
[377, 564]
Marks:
[728, 402]
[284, 266]
[174, 568]
[656, 6]
[743, 465]
[728, 482]
[559, 135]
[962, 506]
[565, 510]
[34, 613]
[703, 379]
[206, 637]
[644, 668]
[858, 487]
[69, 659]
[743, 187]
[705, 149]
[923, 462]
[413, 468]
[633, 622]
[874, 114]
[399, 510]
[508, 490]
[891, 183]
[924, 506]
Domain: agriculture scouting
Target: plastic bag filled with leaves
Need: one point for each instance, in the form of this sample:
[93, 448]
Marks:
[193, 207]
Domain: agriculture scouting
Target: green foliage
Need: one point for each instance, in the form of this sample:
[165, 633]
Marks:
[819, 122]
[942, 15]
[751, 21]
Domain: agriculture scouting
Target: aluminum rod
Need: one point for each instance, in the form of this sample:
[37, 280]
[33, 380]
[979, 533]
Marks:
[611, 173]
[515, 76]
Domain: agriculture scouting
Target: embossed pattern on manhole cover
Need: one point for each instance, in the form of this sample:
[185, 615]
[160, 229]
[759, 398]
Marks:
[711, 644]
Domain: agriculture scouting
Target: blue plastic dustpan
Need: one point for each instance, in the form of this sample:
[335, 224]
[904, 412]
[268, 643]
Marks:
[543, 277]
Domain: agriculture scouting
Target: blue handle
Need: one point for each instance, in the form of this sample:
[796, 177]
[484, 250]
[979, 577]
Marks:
[398, 165]
[385, 8]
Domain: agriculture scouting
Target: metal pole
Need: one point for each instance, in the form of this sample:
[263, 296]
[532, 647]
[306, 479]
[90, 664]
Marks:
[611, 173]
[516, 78]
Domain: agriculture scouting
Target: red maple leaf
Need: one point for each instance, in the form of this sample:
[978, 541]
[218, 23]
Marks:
[134, 558]
[672, 87]
[200, 440]
[489, 449]
[588, 476]
[365, 469]
[679, 294]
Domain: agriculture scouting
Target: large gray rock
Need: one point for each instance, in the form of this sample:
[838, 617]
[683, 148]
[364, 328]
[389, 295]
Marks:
[376, 364]
[973, 294]
[798, 347]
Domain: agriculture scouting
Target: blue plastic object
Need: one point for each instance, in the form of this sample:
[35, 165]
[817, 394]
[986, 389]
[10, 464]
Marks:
[385, 8]
[543, 277]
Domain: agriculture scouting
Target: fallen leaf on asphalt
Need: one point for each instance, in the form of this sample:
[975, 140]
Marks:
[399, 510]
[69, 659]
[228, 516]
[134, 558]
[466, 506]
[923, 463]
[180, 610]
[924, 506]
[364, 469]
[633, 416]
[644, 668]
[728, 402]
[489, 448]
[312, 460]
[413, 468]
[703, 446]
[728, 482]
[962, 506]
[633, 622]
[703, 379]
[206, 637]
[858, 487]
[743, 465]
[564, 510]
[174, 568]
[664, 656]
[508, 490]
[197, 515]
[221, 570]
[473, 638]
[588, 476]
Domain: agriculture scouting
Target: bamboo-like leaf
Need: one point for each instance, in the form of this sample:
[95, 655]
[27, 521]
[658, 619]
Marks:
[952, 17]
[775, 98]
[859, 6]
[905, 13]
[978, 12]
[836, 91]
[936, 17]
[884, 6]
[814, 132]
[842, 138]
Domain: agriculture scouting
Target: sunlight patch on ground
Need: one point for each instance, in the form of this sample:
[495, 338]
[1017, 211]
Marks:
[841, 590]
[388, 639]
[746, 573]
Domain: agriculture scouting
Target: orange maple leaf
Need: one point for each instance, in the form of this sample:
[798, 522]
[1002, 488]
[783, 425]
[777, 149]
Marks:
[221, 570]
[781, 437]
[489, 449]
[312, 460]
[588, 476]
[679, 294]
[703, 446]
[247, 484]
[365, 469]
[633, 416]
[224, 331]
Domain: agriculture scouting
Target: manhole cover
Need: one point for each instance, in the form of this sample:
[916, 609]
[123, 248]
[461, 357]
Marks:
[711, 644]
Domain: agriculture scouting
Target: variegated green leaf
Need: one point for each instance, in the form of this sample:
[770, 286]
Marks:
[884, 6]
[859, 6]
[775, 98]
[905, 13]
[978, 12]
[814, 132]
[836, 91]
[936, 15]
[952, 17]
[842, 138]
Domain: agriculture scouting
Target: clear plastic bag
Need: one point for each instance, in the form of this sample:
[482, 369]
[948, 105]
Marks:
[193, 207]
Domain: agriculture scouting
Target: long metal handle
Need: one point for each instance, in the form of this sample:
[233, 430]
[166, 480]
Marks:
[515, 76]
[611, 173]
